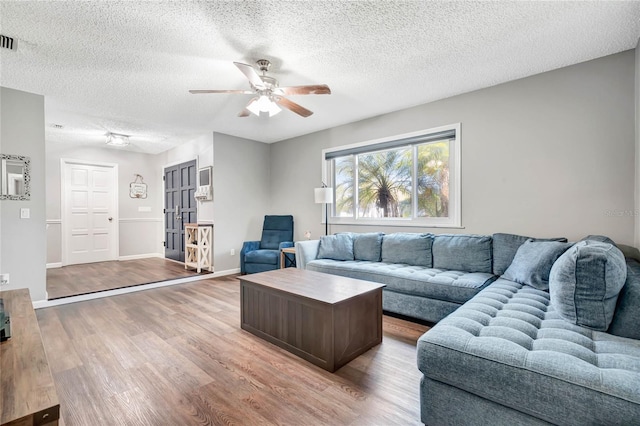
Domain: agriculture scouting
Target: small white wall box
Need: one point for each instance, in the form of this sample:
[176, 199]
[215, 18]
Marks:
[205, 184]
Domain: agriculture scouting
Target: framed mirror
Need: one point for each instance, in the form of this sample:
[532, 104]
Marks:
[15, 178]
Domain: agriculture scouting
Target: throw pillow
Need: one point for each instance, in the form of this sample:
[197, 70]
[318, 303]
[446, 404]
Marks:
[368, 246]
[533, 261]
[626, 319]
[336, 247]
[407, 248]
[585, 282]
[505, 247]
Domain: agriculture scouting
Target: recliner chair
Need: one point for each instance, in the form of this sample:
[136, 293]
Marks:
[264, 255]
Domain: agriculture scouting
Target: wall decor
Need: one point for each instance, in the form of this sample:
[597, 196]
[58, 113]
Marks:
[15, 177]
[137, 188]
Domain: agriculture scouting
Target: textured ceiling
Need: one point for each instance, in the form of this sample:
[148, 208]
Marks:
[127, 66]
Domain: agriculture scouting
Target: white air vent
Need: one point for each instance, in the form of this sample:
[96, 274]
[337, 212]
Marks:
[8, 43]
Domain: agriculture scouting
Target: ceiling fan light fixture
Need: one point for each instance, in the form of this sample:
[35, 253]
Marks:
[116, 139]
[264, 104]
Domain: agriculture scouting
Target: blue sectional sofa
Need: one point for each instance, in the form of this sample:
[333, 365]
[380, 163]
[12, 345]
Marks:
[528, 331]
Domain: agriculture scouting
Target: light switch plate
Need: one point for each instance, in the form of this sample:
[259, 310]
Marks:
[25, 213]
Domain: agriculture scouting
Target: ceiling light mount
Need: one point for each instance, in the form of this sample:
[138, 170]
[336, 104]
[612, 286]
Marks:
[116, 139]
[263, 65]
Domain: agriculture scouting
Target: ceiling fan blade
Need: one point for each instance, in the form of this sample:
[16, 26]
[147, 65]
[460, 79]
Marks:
[251, 74]
[292, 106]
[243, 92]
[245, 112]
[314, 89]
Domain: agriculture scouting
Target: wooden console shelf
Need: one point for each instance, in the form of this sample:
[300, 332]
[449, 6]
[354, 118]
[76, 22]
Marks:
[27, 392]
[198, 246]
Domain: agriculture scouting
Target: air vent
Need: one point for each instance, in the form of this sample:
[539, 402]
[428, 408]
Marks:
[8, 43]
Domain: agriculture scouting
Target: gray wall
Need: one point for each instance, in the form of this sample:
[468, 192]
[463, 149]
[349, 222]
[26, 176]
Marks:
[637, 118]
[547, 155]
[140, 232]
[241, 197]
[23, 242]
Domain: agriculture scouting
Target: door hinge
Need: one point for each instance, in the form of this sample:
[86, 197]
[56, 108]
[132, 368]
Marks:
[163, 178]
[164, 244]
[164, 210]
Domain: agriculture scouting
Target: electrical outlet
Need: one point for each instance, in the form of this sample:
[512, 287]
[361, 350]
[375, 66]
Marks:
[4, 279]
[232, 252]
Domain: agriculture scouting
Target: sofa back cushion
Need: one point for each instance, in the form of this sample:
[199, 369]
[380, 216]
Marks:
[470, 253]
[505, 247]
[336, 247]
[626, 319]
[368, 246]
[407, 248]
[585, 281]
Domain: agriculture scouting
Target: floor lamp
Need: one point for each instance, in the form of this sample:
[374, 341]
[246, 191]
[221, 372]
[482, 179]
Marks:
[324, 196]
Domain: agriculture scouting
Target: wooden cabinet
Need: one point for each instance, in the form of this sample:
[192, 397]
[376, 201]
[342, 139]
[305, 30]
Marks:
[26, 385]
[198, 246]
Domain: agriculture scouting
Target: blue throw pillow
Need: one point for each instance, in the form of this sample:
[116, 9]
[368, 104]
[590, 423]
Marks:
[585, 282]
[626, 320]
[336, 247]
[533, 261]
[505, 247]
[407, 248]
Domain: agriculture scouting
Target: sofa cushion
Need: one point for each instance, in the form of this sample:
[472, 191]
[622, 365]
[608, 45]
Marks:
[505, 247]
[585, 281]
[601, 238]
[407, 248]
[451, 286]
[471, 253]
[626, 319]
[368, 246]
[510, 346]
[533, 261]
[337, 247]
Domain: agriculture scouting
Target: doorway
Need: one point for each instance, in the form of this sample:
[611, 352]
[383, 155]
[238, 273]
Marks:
[89, 212]
[180, 206]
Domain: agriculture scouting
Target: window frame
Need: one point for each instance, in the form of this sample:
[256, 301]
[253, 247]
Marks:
[455, 172]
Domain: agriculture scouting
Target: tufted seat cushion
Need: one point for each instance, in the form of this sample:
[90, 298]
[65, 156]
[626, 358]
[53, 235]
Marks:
[509, 346]
[440, 284]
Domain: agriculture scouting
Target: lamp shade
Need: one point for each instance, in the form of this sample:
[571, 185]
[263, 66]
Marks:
[323, 195]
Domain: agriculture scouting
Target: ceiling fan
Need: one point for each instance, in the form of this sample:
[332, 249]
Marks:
[270, 97]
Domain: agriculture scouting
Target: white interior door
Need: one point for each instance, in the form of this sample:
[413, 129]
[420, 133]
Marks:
[89, 205]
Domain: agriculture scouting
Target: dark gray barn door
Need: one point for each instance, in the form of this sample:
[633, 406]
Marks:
[179, 206]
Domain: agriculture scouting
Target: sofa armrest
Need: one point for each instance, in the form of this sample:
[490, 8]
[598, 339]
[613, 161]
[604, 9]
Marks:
[306, 251]
[285, 244]
[247, 246]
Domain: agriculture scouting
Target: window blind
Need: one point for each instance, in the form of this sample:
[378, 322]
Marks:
[413, 140]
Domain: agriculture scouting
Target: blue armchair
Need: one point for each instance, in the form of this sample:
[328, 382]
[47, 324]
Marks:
[264, 255]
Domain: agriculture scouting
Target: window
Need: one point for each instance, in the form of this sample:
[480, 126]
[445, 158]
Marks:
[408, 180]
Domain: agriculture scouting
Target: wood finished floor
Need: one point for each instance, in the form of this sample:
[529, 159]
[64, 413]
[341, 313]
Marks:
[177, 356]
[87, 278]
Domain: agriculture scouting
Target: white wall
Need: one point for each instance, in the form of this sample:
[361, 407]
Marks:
[637, 156]
[140, 232]
[241, 196]
[22, 242]
[547, 155]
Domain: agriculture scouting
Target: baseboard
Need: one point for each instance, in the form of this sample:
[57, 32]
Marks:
[140, 256]
[38, 304]
[54, 265]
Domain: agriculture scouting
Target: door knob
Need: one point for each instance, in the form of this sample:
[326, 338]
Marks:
[110, 219]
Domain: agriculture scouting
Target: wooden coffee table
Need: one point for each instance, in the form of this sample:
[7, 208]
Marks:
[326, 319]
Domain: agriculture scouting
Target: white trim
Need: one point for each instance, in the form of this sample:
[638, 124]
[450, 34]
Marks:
[38, 304]
[454, 221]
[54, 265]
[140, 219]
[141, 256]
[54, 221]
[64, 162]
